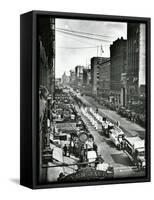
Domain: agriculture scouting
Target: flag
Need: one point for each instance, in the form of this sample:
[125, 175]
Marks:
[102, 51]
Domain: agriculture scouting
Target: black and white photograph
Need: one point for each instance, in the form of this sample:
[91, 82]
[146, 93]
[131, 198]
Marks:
[92, 100]
[76, 100]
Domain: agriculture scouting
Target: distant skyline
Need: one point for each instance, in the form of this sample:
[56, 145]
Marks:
[72, 50]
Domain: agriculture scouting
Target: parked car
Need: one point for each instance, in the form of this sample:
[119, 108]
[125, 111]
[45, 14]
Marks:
[134, 147]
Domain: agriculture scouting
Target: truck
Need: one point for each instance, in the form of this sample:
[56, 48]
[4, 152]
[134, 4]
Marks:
[116, 135]
[106, 126]
[134, 147]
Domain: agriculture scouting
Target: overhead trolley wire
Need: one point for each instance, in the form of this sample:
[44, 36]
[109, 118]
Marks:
[77, 39]
[83, 36]
[90, 47]
[85, 33]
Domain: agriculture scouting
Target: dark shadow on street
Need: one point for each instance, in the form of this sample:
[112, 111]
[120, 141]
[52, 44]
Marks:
[141, 134]
[110, 143]
[119, 158]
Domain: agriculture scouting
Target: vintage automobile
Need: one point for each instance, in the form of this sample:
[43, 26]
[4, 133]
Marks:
[90, 166]
[116, 135]
[134, 147]
[106, 126]
[122, 111]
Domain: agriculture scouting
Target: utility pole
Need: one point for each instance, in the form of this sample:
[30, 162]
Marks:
[97, 51]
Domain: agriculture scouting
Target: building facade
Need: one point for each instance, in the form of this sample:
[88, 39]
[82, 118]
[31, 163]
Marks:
[86, 82]
[46, 33]
[96, 64]
[72, 78]
[118, 59]
[104, 80]
[136, 60]
[46, 29]
[65, 79]
[78, 76]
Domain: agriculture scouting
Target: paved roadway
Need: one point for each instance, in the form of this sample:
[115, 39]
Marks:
[129, 128]
[123, 167]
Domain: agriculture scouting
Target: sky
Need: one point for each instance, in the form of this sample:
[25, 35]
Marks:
[72, 51]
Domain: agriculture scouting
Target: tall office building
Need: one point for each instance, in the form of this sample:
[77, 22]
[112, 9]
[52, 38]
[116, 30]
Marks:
[118, 61]
[136, 60]
[96, 64]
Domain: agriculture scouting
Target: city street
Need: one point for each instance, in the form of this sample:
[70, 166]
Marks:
[123, 167]
[130, 128]
[118, 159]
[92, 111]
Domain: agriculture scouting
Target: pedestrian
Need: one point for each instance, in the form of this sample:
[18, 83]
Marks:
[95, 148]
[65, 150]
[61, 176]
[69, 150]
[96, 110]
[118, 123]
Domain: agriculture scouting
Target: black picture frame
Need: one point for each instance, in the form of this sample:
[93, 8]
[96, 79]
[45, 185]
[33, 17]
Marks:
[29, 108]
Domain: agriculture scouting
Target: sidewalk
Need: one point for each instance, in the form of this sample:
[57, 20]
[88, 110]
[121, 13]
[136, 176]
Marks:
[53, 172]
[132, 129]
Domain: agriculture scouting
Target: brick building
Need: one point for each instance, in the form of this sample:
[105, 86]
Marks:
[46, 30]
[136, 60]
[78, 76]
[86, 82]
[104, 79]
[96, 64]
[46, 33]
[118, 58]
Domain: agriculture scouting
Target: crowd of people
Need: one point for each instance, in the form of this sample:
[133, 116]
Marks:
[134, 113]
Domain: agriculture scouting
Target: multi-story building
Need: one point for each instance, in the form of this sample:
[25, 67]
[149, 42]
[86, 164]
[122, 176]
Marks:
[104, 80]
[46, 33]
[96, 64]
[118, 56]
[86, 76]
[136, 60]
[65, 79]
[78, 76]
[72, 78]
[86, 82]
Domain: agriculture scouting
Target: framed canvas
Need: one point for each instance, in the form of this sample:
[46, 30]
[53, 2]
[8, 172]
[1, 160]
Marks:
[85, 99]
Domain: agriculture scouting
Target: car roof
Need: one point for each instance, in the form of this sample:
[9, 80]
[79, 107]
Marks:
[118, 130]
[136, 141]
